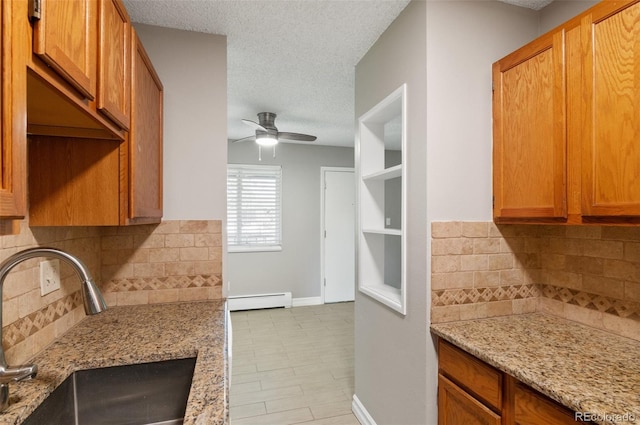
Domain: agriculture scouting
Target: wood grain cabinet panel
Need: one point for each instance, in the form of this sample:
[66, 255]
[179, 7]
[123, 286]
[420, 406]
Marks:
[65, 37]
[13, 134]
[114, 62]
[472, 392]
[566, 122]
[456, 407]
[611, 85]
[145, 138]
[532, 408]
[477, 377]
[529, 156]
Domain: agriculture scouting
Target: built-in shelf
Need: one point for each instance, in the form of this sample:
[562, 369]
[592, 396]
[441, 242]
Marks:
[392, 232]
[381, 153]
[386, 174]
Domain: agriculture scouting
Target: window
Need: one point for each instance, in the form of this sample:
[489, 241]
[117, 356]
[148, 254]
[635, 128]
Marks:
[254, 208]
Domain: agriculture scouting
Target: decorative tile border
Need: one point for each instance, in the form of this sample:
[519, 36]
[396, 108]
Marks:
[450, 297]
[603, 304]
[24, 327]
[169, 282]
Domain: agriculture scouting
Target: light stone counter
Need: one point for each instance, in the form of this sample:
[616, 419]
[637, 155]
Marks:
[583, 368]
[138, 334]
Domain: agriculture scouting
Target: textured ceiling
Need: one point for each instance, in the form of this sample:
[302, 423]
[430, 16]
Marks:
[295, 58]
[531, 4]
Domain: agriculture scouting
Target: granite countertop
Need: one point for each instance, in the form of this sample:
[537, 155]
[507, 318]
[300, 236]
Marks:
[583, 368]
[138, 334]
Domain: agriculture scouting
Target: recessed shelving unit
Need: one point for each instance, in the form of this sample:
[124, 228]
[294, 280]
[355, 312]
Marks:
[392, 232]
[380, 162]
[386, 174]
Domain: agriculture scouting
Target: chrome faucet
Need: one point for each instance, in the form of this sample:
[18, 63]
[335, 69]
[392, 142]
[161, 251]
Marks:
[91, 297]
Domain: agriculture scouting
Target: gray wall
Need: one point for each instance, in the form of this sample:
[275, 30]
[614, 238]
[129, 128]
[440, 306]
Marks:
[390, 349]
[193, 70]
[297, 267]
[560, 11]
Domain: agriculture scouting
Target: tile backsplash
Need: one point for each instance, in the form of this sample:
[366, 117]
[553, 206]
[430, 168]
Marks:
[172, 261]
[589, 274]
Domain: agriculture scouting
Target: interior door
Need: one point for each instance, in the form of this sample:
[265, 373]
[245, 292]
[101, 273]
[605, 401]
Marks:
[339, 235]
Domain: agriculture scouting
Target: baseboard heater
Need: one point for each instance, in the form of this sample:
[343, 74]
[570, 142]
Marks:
[258, 301]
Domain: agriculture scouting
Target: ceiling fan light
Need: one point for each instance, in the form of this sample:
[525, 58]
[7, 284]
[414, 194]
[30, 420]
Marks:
[267, 140]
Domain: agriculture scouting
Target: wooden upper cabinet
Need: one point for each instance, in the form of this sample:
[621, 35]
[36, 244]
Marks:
[65, 38]
[145, 137]
[13, 132]
[529, 132]
[114, 62]
[611, 86]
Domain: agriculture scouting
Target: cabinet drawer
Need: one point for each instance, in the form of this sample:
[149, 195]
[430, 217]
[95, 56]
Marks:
[476, 377]
[532, 408]
[456, 407]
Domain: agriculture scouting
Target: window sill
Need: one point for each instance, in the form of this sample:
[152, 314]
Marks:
[235, 249]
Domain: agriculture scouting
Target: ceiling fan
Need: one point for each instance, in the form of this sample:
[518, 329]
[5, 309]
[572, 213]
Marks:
[267, 133]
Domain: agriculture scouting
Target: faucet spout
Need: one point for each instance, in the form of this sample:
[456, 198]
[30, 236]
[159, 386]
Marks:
[92, 299]
[19, 373]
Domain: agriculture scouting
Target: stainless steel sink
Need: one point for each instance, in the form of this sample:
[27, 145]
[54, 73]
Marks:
[139, 394]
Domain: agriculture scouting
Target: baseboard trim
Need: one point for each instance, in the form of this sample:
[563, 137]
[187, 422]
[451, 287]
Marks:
[360, 412]
[300, 302]
[259, 301]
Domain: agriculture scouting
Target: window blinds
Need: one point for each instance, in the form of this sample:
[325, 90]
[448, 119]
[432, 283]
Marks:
[254, 207]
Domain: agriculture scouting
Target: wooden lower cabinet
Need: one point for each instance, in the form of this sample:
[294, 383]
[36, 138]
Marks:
[467, 390]
[455, 406]
[532, 408]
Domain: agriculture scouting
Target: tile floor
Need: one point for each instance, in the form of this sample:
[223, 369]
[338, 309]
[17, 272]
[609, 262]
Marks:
[293, 366]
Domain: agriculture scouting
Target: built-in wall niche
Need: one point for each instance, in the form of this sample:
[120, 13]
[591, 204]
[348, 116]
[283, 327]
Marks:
[381, 163]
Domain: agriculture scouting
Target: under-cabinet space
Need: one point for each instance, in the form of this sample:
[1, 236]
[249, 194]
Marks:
[73, 182]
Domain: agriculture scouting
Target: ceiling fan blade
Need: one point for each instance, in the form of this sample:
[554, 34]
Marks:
[246, 139]
[295, 137]
[254, 125]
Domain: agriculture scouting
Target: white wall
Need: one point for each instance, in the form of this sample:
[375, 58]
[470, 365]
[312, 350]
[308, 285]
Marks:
[459, 59]
[193, 70]
[297, 267]
[449, 176]
[390, 349]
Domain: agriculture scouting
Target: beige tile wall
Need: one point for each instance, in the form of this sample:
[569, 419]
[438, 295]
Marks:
[173, 261]
[586, 274]
[477, 272]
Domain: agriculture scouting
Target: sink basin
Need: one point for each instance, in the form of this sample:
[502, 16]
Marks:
[138, 394]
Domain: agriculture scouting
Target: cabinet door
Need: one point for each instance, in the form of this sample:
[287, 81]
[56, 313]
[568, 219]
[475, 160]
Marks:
[13, 133]
[65, 39]
[529, 132]
[145, 138]
[534, 409]
[114, 62]
[611, 86]
[456, 407]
